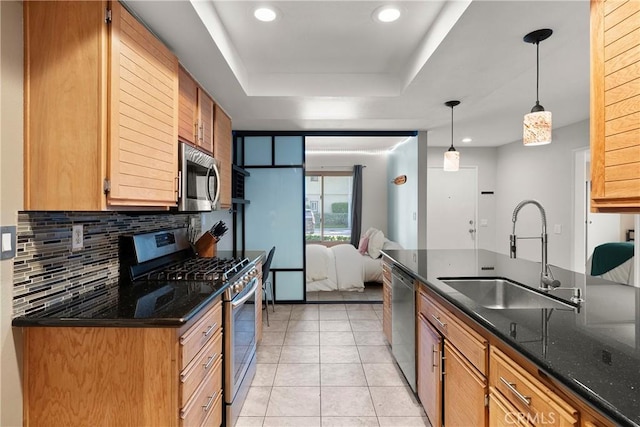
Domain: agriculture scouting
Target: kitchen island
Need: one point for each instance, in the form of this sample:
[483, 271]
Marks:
[590, 352]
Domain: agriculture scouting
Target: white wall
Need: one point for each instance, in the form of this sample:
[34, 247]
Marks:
[485, 160]
[544, 173]
[374, 181]
[11, 187]
[403, 199]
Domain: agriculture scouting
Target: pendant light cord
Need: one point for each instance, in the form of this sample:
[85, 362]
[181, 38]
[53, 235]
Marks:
[537, 72]
[452, 126]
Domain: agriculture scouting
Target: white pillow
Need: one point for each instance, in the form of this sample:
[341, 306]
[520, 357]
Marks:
[370, 231]
[376, 241]
[390, 244]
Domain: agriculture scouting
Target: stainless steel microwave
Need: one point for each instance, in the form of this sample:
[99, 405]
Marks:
[198, 180]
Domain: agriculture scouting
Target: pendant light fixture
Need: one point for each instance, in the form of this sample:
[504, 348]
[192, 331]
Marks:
[537, 124]
[451, 156]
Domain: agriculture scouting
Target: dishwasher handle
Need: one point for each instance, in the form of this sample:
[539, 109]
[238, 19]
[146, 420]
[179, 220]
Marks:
[401, 276]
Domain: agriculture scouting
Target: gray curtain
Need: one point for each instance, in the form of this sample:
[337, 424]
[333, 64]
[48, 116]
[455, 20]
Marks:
[356, 205]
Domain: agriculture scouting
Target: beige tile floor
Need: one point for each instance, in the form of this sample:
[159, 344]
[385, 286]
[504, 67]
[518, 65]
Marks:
[372, 292]
[328, 365]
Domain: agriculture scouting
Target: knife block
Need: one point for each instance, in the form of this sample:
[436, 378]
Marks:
[206, 245]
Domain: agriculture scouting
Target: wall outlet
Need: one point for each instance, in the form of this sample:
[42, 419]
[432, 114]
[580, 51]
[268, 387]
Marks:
[557, 228]
[77, 237]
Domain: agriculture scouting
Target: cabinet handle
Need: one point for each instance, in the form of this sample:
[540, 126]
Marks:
[209, 402]
[525, 399]
[442, 325]
[211, 328]
[210, 361]
[433, 356]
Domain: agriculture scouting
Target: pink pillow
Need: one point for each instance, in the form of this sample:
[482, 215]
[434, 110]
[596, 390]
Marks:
[363, 245]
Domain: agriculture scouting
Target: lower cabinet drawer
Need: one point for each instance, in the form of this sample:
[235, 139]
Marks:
[197, 409]
[214, 417]
[504, 414]
[535, 401]
[197, 370]
[194, 339]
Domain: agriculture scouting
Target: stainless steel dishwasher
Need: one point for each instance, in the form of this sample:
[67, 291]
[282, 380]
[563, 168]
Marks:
[403, 323]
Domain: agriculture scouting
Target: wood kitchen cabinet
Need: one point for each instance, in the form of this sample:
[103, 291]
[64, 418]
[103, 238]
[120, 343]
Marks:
[463, 383]
[615, 105]
[462, 356]
[429, 363]
[101, 109]
[538, 404]
[196, 112]
[386, 299]
[155, 376]
[222, 152]
[481, 370]
[188, 107]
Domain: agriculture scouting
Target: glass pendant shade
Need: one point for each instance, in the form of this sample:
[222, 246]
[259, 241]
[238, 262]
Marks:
[451, 160]
[537, 128]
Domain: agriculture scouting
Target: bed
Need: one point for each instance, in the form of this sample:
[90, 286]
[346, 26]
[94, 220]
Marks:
[613, 261]
[342, 267]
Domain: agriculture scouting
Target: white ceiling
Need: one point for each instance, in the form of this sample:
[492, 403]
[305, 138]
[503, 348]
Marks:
[327, 65]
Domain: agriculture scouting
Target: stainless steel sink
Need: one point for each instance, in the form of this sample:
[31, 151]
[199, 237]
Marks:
[500, 294]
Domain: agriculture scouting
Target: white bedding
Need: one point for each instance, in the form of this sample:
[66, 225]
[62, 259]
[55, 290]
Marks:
[336, 268]
[342, 267]
[320, 269]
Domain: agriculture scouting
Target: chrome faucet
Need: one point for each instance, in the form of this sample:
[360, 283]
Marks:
[547, 281]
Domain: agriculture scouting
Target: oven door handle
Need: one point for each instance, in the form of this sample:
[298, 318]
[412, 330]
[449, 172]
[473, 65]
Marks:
[249, 294]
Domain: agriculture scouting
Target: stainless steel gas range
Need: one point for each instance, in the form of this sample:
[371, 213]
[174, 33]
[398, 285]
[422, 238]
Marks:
[165, 260]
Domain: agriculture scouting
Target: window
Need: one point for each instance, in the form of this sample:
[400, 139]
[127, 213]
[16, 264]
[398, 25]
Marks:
[328, 206]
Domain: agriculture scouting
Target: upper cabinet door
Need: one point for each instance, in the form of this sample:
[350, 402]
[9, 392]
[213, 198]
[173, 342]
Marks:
[205, 121]
[65, 100]
[615, 106]
[187, 115]
[143, 116]
[222, 152]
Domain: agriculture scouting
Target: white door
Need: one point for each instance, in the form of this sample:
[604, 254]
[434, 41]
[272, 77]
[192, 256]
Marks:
[452, 199]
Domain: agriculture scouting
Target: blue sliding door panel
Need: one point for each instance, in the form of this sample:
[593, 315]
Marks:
[257, 151]
[288, 285]
[288, 150]
[275, 215]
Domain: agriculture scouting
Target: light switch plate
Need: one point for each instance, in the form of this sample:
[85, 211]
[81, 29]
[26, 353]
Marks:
[8, 241]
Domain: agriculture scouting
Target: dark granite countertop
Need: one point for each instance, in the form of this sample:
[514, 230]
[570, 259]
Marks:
[163, 304]
[594, 351]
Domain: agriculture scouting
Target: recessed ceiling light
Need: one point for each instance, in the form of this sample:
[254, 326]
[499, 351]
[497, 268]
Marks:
[265, 14]
[466, 140]
[387, 14]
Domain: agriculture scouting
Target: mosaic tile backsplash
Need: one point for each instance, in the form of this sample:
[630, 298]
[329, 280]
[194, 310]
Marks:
[46, 271]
